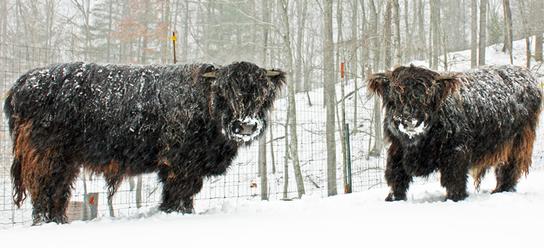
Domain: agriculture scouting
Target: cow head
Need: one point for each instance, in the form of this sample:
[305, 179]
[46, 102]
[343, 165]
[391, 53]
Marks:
[241, 96]
[412, 96]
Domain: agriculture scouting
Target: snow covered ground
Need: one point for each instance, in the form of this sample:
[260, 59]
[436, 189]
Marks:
[356, 220]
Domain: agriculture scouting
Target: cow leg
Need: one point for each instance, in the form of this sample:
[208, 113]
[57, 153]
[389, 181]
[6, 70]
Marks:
[193, 186]
[507, 178]
[50, 182]
[38, 194]
[113, 181]
[395, 175]
[454, 175]
[63, 179]
[178, 192]
[518, 163]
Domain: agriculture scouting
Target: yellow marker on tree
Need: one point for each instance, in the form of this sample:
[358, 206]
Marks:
[174, 45]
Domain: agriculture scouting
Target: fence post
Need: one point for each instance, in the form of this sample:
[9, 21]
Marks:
[348, 182]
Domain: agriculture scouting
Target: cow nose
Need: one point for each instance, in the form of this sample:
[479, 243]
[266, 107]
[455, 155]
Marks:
[243, 128]
[236, 127]
[410, 123]
[406, 112]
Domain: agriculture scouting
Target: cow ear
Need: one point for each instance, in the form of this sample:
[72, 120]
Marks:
[210, 74]
[378, 83]
[446, 84]
[277, 77]
[208, 71]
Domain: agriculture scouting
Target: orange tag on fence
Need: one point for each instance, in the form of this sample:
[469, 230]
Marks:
[342, 70]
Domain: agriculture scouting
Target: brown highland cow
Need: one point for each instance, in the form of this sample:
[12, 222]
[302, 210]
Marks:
[184, 122]
[454, 123]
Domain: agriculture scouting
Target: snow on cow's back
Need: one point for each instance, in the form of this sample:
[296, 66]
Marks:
[497, 93]
[498, 81]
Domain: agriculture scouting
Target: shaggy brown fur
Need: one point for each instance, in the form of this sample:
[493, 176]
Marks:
[39, 167]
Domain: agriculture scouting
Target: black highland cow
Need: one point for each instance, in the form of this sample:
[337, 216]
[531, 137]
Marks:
[458, 122]
[185, 122]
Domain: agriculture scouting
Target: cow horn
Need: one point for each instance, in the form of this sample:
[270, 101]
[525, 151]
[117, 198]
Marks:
[210, 74]
[272, 73]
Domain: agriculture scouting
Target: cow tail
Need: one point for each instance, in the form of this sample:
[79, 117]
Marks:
[8, 111]
[19, 191]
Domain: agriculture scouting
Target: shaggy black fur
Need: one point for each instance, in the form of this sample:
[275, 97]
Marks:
[456, 122]
[185, 122]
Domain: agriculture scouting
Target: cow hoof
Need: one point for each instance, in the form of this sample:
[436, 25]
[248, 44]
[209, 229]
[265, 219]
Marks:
[166, 209]
[456, 196]
[500, 190]
[179, 209]
[392, 197]
[187, 211]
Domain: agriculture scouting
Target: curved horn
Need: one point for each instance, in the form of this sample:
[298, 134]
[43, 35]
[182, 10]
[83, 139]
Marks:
[272, 73]
[210, 74]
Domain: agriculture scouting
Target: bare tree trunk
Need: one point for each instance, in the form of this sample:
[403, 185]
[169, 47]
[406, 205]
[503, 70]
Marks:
[3, 21]
[364, 52]
[539, 56]
[375, 37]
[464, 15]
[338, 48]
[483, 32]
[263, 172]
[396, 21]
[165, 16]
[261, 161]
[302, 9]
[538, 47]
[387, 33]
[354, 60]
[108, 35]
[474, 33]
[292, 102]
[341, 57]
[407, 34]
[421, 29]
[139, 197]
[308, 64]
[286, 159]
[445, 47]
[508, 34]
[84, 7]
[526, 31]
[49, 22]
[388, 61]
[272, 156]
[435, 32]
[185, 34]
[143, 48]
[329, 92]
